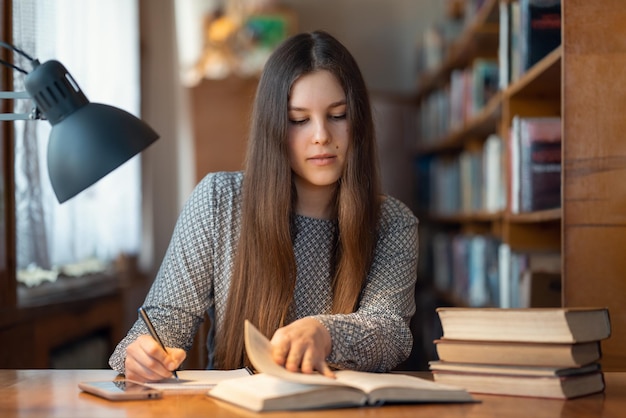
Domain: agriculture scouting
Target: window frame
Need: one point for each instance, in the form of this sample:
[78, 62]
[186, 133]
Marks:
[8, 282]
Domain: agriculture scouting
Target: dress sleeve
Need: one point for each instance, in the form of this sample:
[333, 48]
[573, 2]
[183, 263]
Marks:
[182, 289]
[377, 337]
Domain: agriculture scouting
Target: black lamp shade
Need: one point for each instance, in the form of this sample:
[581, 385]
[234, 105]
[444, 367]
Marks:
[92, 142]
[88, 140]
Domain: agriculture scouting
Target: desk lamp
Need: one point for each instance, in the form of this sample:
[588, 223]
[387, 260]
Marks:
[87, 140]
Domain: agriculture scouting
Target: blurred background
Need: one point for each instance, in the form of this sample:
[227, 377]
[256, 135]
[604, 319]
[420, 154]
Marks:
[73, 275]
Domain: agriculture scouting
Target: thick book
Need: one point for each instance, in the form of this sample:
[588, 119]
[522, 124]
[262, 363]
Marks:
[545, 325]
[557, 387]
[275, 388]
[512, 370]
[521, 354]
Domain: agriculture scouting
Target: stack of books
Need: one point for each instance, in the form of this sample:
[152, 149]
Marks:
[535, 352]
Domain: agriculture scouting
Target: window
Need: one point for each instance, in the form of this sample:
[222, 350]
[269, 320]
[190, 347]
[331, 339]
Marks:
[98, 42]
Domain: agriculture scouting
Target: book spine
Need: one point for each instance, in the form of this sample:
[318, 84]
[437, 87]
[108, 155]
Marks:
[540, 164]
[504, 45]
[541, 29]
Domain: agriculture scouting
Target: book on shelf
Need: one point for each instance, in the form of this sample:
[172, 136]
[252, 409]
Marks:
[434, 44]
[458, 99]
[471, 9]
[516, 353]
[471, 180]
[445, 184]
[529, 279]
[558, 387]
[547, 325]
[494, 194]
[535, 163]
[529, 30]
[470, 90]
[513, 145]
[540, 29]
[275, 388]
[504, 44]
[504, 276]
[540, 165]
[539, 289]
[465, 267]
[515, 65]
[484, 84]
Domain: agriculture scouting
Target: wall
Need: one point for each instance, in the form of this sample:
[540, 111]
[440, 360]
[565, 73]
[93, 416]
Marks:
[381, 34]
[167, 166]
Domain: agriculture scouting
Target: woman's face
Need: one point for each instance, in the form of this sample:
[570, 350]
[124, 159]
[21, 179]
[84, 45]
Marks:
[318, 130]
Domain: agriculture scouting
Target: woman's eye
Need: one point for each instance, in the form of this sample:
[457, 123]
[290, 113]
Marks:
[338, 117]
[298, 121]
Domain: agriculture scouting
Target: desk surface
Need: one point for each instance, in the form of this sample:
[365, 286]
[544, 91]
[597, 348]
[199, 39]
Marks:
[54, 393]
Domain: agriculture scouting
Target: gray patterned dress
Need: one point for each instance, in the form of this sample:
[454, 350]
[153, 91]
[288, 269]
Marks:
[195, 274]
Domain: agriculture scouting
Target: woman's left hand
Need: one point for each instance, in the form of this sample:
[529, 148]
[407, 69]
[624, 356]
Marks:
[303, 346]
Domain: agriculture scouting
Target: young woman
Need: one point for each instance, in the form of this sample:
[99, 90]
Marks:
[301, 243]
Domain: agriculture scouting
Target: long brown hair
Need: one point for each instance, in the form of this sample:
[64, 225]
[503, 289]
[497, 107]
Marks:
[264, 271]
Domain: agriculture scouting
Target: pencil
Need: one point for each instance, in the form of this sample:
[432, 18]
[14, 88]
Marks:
[144, 315]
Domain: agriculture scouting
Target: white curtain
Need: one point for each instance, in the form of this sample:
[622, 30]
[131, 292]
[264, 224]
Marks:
[98, 42]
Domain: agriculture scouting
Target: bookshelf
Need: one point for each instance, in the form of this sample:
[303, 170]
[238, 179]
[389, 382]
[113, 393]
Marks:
[580, 81]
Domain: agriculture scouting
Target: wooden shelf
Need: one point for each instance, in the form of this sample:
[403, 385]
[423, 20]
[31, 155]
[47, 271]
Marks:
[483, 124]
[540, 81]
[552, 215]
[477, 217]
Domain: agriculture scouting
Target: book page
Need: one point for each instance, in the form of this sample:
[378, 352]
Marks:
[369, 382]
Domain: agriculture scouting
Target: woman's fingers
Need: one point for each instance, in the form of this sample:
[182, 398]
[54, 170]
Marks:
[147, 361]
[302, 346]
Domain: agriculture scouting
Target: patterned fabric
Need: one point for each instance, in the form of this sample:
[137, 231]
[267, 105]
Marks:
[195, 275]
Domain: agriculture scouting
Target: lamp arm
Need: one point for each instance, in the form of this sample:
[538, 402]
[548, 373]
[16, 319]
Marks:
[16, 49]
[11, 95]
[15, 67]
[16, 95]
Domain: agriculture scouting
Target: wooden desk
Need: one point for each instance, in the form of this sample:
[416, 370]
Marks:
[54, 393]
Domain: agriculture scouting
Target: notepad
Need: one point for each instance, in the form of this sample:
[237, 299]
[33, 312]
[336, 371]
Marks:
[197, 380]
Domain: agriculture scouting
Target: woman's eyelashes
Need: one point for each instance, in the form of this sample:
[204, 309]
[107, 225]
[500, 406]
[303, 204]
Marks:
[338, 117]
[295, 121]
[298, 121]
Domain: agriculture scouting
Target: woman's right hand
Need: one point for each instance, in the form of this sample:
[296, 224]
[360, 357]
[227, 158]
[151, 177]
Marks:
[146, 360]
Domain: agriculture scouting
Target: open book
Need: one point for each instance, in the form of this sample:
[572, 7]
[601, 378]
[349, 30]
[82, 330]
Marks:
[276, 388]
